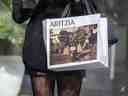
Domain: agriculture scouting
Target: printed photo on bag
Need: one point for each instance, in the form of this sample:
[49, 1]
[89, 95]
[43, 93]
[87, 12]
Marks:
[73, 44]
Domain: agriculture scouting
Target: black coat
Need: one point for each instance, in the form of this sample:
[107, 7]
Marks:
[34, 52]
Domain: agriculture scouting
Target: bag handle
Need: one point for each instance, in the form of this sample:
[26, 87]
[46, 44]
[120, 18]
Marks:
[88, 7]
[67, 11]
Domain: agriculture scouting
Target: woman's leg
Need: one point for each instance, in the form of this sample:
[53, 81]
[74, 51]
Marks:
[42, 85]
[69, 83]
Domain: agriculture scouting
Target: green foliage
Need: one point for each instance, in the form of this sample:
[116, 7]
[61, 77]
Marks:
[9, 30]
[5, 5]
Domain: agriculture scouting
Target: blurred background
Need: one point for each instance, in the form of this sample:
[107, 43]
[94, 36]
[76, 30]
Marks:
[100, 82]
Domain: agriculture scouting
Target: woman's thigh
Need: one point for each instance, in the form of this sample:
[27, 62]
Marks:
[42, 84]
[69, 83]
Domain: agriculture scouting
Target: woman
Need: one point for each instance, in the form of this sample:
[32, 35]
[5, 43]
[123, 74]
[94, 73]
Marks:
[34, 52]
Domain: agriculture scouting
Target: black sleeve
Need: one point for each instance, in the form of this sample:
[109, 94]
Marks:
[20, 14]
[112, 38]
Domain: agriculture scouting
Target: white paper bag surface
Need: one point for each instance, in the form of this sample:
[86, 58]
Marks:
[75, 43]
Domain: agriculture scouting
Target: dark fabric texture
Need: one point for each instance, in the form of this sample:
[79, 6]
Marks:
[34, 52]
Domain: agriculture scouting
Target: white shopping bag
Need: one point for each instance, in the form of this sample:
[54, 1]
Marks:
[75, 43]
